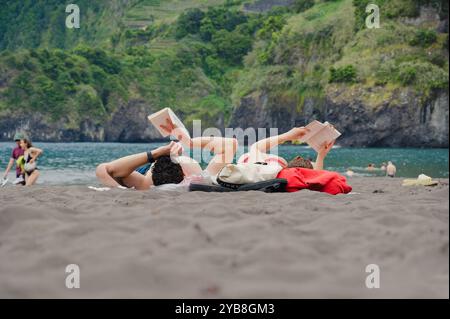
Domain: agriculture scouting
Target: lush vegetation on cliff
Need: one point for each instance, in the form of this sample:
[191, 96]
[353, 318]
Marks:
[202, 57]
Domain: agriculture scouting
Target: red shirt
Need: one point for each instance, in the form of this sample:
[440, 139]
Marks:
[16, 153]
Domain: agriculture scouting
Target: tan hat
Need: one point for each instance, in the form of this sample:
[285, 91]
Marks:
[422, 180]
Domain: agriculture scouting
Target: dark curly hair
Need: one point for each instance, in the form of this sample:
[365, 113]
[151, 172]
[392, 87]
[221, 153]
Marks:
[299, 161]
[164, 171]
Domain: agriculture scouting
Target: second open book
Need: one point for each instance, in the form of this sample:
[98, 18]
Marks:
[319, 134]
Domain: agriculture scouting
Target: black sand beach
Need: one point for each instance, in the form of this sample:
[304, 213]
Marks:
[159, 244]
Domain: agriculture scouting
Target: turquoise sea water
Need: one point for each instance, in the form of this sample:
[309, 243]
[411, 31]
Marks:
[74, 163]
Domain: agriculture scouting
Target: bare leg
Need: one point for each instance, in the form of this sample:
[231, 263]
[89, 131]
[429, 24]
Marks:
[258, 151]
[31, 179]
[223, 149]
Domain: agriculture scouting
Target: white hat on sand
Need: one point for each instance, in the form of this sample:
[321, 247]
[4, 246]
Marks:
[422, 180]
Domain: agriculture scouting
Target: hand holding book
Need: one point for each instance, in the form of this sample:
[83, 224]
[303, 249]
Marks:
[320, 135]
[325, 148]
[171, 129]
[168, 124]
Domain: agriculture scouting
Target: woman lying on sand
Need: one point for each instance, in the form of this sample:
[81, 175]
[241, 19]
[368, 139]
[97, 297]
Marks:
[258, 151]
[299, 173]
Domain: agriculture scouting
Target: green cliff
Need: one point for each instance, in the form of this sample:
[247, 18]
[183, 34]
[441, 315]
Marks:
[262, 63]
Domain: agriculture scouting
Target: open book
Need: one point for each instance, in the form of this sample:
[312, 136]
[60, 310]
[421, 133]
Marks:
[319, 133]
[160, 118]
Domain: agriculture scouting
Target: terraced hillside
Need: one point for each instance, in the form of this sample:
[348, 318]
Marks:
[261, 63]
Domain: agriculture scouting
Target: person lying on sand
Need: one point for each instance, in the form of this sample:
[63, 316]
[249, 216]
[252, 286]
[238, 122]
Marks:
[258, 151]
[299, 173]
[170, 166]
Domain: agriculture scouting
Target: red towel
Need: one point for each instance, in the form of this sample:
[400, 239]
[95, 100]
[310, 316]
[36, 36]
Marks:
[315, 180]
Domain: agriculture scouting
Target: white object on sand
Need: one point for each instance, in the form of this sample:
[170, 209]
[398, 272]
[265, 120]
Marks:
[105, 189]
[99, 189]
[4, 181]
[422, 180]
[19, 180]
[244, 173]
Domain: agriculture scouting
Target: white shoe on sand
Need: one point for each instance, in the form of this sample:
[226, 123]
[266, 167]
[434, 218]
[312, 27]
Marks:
[4, 181]
[19, 180]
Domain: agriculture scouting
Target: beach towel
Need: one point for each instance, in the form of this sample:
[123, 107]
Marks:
[315, 180]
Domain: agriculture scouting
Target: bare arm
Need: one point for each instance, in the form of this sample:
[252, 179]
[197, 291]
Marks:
[35, 153]
[189, 166]
[265, 145]
[8, 168]
[125, 166]
[323, 152]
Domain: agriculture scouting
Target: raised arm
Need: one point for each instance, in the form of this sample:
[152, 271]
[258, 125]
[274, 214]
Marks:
[35, 153]
[321, 154]
[125, 166]
[265, 145]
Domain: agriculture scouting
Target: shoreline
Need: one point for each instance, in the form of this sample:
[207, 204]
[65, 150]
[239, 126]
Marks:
[285, 144]
[164, 244]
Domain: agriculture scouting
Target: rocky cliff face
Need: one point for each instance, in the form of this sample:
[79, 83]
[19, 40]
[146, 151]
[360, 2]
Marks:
[401, 120]
[128, 124]
[389, 115]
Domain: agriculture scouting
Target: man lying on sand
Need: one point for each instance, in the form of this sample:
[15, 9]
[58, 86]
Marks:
[169, 167]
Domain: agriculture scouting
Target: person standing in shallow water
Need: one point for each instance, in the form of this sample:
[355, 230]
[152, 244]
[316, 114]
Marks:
[17, 152]
[391, 170]
[29, 161]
